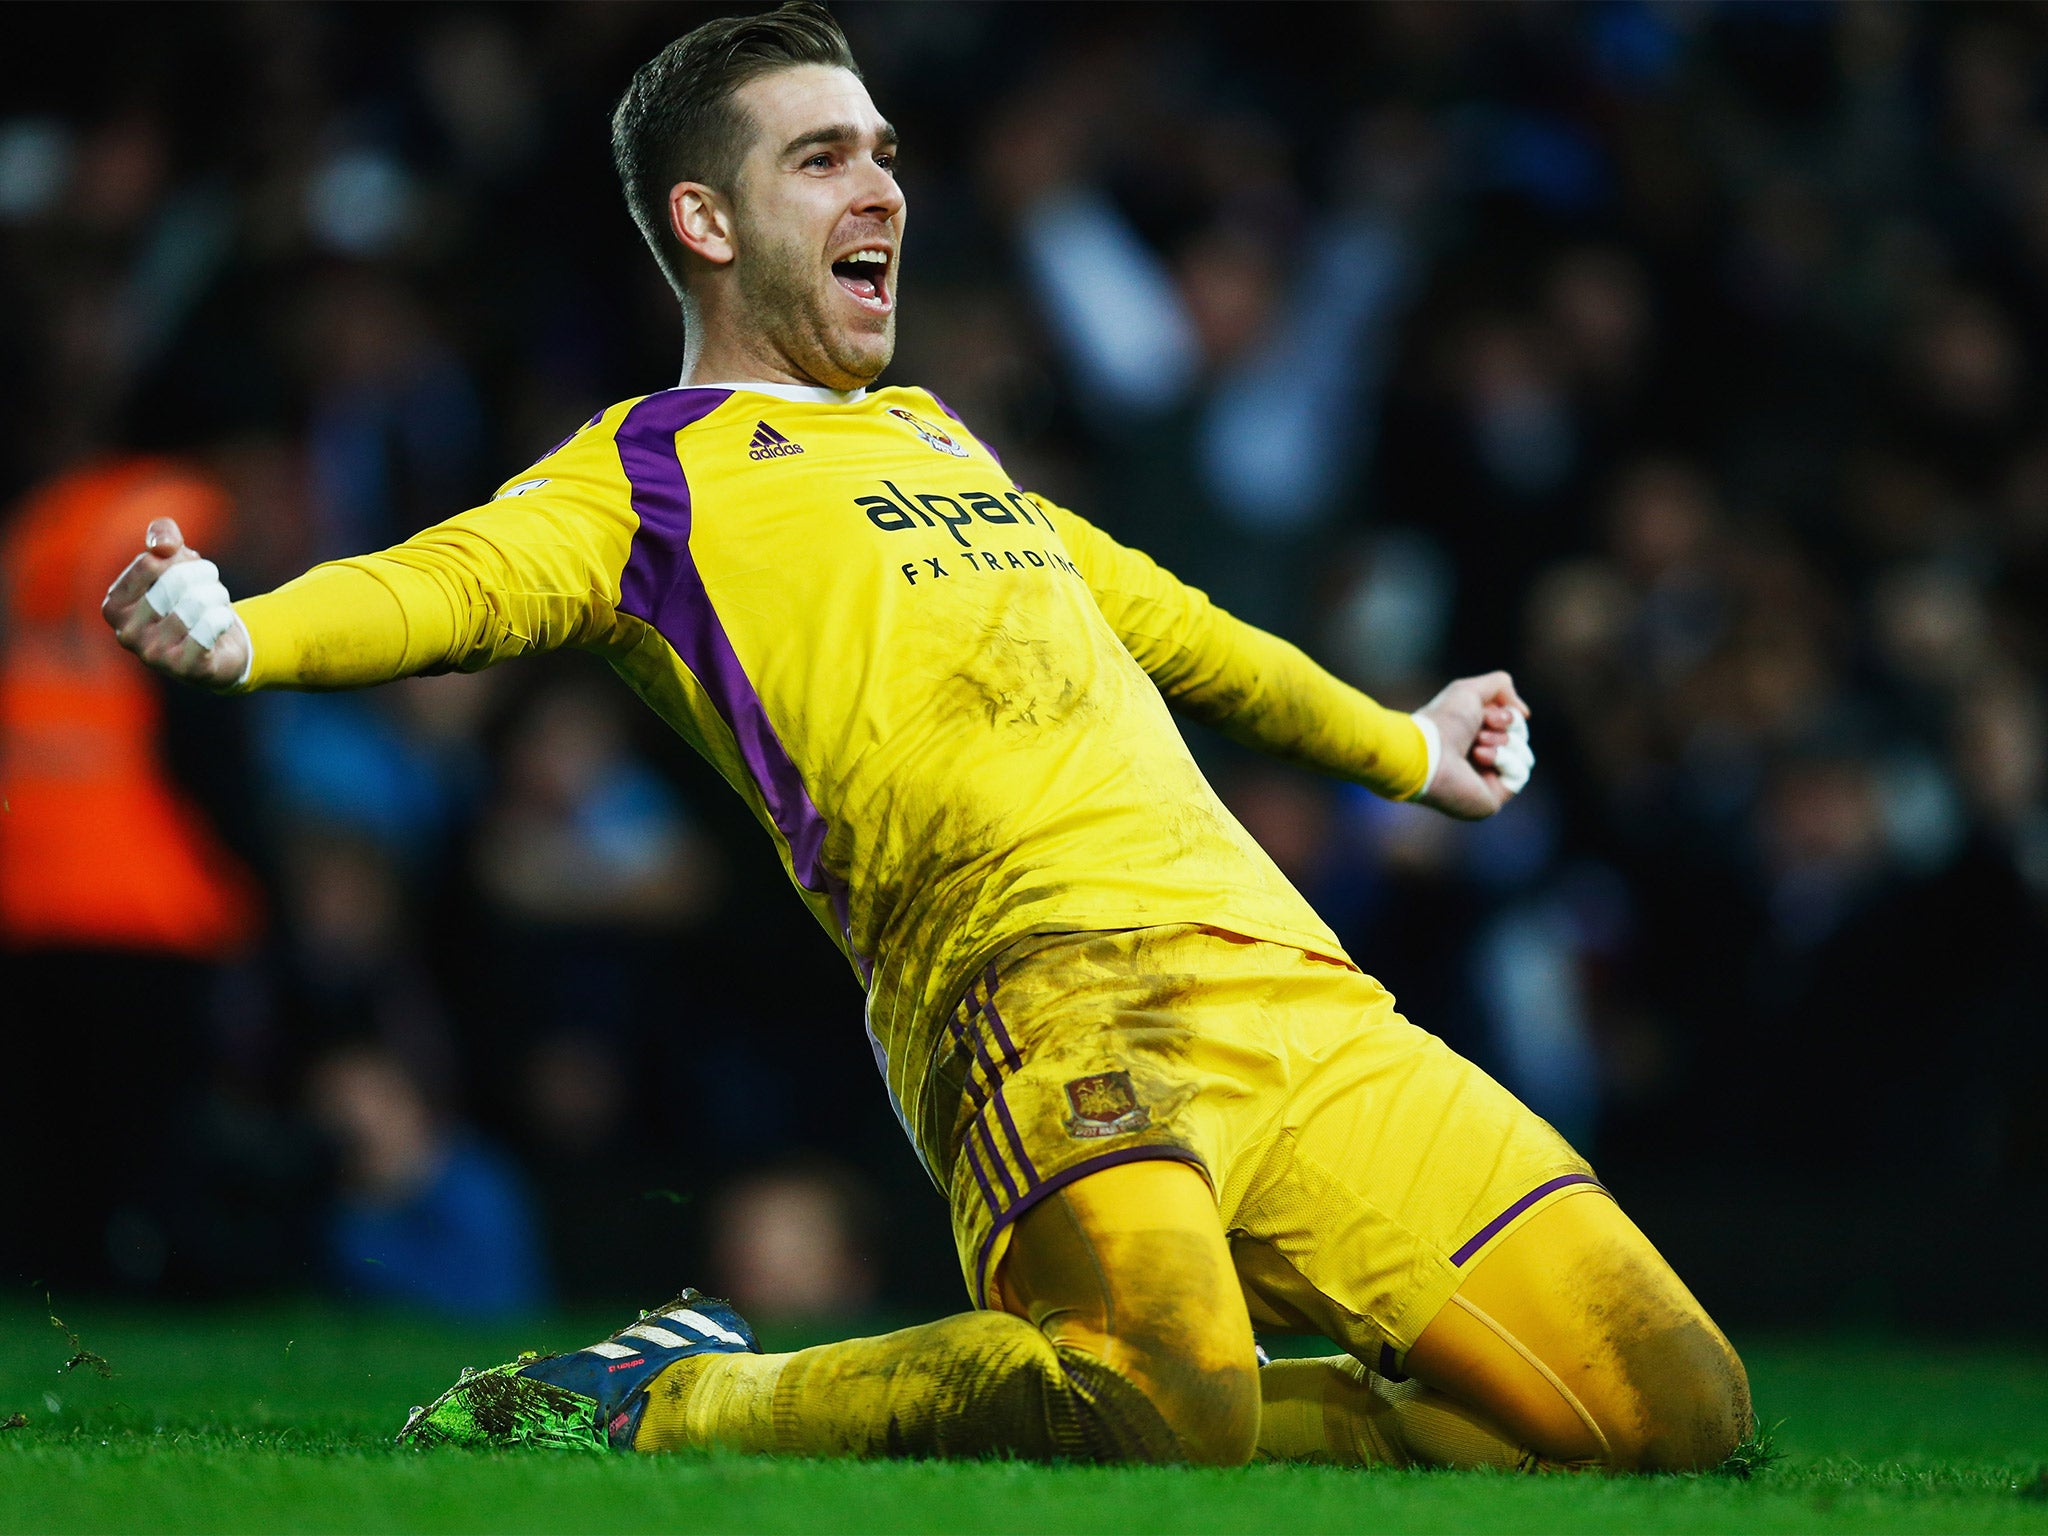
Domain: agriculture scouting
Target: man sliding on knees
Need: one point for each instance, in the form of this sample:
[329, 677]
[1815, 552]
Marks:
[1164, 1105]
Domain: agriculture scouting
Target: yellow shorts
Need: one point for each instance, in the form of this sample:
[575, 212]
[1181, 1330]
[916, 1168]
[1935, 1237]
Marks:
[1360, 1165]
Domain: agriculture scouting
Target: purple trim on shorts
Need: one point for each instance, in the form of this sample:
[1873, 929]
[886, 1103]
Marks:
[1024, 1165]
[988, 1011]
[971, 1038]
[1060, 1181]
[977, 1095]
[1390, 1365]
[662, 585]
[988, 1192]
[1487, 1233]
[996, 1082]
[995, 1157]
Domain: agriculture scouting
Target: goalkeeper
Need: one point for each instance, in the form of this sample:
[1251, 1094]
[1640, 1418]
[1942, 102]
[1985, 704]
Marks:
[1164, 1105]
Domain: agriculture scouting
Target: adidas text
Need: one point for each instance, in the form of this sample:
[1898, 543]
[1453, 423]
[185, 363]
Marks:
[771, 444]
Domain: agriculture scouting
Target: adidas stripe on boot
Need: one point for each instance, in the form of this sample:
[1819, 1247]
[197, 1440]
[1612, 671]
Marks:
[589, 1400]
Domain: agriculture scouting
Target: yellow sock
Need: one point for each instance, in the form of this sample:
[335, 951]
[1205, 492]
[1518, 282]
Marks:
[979, 1384]
[1335, 1410]
[726, 1401]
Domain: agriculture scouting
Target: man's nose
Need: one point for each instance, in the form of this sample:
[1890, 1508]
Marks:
[877, 195]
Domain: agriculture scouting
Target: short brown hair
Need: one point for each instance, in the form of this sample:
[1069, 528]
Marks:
[678, 121]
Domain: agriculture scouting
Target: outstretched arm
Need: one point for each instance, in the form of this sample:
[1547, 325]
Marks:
[521, 573]
[1465, 753]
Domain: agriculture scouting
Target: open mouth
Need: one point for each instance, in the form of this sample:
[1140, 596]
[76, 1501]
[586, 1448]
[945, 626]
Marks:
[865, 275]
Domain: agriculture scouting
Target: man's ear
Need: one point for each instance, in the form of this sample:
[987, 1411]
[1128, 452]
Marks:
[702, 221]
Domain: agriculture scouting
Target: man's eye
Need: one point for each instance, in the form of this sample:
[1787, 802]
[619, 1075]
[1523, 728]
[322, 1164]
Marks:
[887, 163]
[819, 159]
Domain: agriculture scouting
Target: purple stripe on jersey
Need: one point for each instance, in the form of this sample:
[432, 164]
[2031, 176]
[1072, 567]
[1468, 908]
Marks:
[661, 584]
[988, 1008]
[1060, 1181]
[1486, 1233]
[988, 1192]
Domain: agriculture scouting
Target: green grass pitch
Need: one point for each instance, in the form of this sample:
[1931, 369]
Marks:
[280, 1420]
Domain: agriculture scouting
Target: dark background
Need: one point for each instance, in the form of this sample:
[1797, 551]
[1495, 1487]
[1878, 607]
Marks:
[1687, 360]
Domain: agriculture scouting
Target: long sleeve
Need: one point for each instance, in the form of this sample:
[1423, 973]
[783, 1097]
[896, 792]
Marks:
[533, 570]
[1253, 686]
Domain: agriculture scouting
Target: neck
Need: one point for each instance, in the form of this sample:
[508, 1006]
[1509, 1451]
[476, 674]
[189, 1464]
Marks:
[717, 353]
[712, 364]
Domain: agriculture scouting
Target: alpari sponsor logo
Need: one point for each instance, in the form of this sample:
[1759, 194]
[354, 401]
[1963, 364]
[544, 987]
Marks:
[899, 510]
[770, 444]
[935, 437]
[988, 562]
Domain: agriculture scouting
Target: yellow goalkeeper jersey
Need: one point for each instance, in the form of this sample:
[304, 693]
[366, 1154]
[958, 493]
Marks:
[944, 698]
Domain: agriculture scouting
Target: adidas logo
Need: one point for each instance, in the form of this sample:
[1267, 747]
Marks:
[770, 444]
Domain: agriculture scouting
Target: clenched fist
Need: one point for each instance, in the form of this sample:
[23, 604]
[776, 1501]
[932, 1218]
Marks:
[170, 608]
[1484, 760]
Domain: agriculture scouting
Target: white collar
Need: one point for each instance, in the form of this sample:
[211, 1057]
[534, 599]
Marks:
[815, 394]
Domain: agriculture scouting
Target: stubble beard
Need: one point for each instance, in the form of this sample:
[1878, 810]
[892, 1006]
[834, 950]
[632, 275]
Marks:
[780, 286]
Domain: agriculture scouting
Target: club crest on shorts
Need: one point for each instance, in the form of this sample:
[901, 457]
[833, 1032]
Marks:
[935, 437]
[1105, 1104]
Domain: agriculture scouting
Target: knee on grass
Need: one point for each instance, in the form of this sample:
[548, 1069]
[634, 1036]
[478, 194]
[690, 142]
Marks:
[1216, 1418]
[1203, 1413]
[1692, 1396]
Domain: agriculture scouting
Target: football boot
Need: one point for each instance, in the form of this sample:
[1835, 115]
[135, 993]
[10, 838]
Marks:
[591, 1399]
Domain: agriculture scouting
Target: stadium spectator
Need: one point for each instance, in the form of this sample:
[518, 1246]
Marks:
[797, 1244]
[108, 981]
[429, 1216]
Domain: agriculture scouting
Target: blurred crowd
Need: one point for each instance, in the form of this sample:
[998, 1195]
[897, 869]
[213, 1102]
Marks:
[1689, 359]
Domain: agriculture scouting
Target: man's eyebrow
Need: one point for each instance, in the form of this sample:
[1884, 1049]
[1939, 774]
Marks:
[840, 133]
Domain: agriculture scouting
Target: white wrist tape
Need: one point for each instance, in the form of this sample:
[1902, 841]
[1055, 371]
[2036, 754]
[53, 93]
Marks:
[1516, 760]
[1432, 739]
[192, 590]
